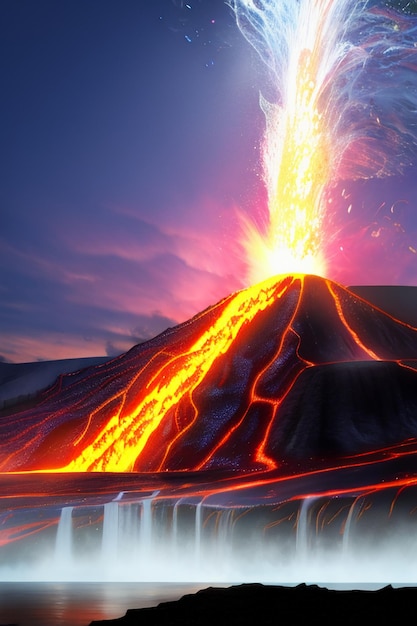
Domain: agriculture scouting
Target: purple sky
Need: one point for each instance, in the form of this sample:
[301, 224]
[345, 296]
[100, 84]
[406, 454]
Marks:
[130, 136]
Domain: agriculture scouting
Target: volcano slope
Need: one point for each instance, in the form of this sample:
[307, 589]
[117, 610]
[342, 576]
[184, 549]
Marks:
[295, 367]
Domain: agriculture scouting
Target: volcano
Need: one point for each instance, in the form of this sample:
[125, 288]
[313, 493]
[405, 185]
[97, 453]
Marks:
[296, 368]
[272, 428]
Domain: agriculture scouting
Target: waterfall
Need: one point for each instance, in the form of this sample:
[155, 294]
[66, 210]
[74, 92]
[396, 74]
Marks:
[174, 528]
[63, 543]
[110, 539]
[129, 529]
[224, 532]
[198, 529]
[346, 530]
[175, 522]
[146, 525]
[124, 534]
[301, 540]
[145, 534]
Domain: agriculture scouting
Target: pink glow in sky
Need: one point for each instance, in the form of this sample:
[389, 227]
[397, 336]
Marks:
[131, 140]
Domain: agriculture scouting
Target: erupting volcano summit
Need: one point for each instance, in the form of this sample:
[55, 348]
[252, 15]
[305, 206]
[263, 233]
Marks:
[295, 367]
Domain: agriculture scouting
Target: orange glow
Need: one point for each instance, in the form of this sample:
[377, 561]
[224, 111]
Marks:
[118, 445]
[163, 406]
[339, 309]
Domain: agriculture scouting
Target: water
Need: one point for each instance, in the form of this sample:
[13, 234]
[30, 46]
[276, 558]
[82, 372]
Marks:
[198, 529]
[147, 542]
[78, 604]
[301, 540]
[146, 525]
[63, 545]
[353, 510]
[110, 532]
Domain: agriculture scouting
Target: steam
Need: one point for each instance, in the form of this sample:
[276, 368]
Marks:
[146, 540]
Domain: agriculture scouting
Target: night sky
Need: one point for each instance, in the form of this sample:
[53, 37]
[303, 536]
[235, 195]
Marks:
[130, 143]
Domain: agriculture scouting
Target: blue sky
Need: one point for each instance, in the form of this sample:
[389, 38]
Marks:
[130, 141]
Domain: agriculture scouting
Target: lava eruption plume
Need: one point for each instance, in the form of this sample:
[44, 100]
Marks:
[341, 106]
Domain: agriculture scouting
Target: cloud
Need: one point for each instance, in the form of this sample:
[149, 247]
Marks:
[94, 291]
[135, 266]
[150, 326]
[112, 349]
[34, 345]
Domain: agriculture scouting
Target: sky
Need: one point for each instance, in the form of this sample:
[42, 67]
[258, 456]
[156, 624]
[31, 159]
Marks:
[130, 136]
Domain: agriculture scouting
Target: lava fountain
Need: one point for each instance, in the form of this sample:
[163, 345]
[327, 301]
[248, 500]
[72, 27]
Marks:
[333, 117]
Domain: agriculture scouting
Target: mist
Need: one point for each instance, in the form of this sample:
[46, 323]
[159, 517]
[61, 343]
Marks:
[146, 539]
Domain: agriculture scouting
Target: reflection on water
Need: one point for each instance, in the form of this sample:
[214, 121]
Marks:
[77, 604]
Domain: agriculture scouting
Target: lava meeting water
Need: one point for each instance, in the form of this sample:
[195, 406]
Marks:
[354, 537]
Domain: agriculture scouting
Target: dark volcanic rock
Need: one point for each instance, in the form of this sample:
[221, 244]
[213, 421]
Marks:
[346, 408]
[400, 301]
[272, 373]
[257, 604]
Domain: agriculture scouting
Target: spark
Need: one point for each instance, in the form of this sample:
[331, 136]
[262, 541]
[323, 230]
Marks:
[298, 158]
[296, 155]
[330, 119]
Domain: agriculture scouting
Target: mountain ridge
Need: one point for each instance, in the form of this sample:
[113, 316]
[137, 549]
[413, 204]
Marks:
[180, 400]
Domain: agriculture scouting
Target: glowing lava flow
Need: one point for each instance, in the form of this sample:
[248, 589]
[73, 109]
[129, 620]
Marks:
[230, 388]
[121, 441]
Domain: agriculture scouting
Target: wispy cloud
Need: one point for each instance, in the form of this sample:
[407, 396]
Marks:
[99, 289]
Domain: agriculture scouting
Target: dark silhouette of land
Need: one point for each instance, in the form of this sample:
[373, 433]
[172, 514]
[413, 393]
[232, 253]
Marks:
[269, 605]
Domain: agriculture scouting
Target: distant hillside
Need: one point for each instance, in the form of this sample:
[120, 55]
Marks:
[399, 301]
[22, 381]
